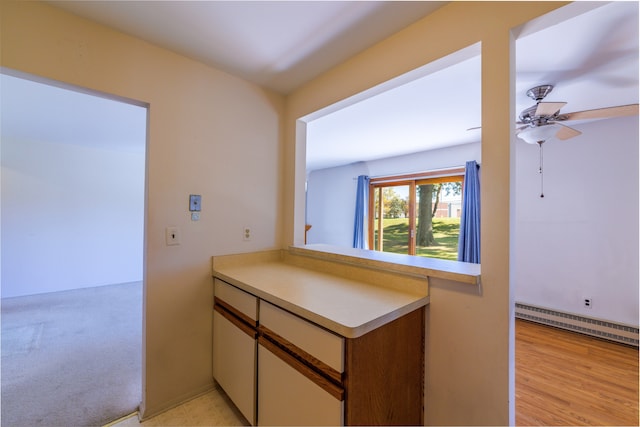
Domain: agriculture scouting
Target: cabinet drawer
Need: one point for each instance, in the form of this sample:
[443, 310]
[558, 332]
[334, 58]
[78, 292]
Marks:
[240, 300]
[322, 344]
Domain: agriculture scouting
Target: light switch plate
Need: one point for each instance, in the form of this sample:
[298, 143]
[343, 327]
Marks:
[194, 202]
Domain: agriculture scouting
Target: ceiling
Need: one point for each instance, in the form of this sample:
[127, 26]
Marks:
[63, 116]
[275, 44]
[591, 58]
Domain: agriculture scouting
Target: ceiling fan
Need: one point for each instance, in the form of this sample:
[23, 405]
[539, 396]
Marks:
[542, 121]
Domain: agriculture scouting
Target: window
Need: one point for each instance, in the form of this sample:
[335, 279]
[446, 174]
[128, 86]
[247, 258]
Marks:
[417, 214]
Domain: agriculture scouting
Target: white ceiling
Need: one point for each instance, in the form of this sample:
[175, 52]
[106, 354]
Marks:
[35, 111]
[592, 59]
[430, 111]
[275, 44]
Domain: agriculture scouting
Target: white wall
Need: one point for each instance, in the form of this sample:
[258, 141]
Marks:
[581, 239]
[72, 216]
[331, 204]
[331, 192]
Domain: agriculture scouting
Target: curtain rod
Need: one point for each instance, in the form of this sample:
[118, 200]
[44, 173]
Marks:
[416, 173]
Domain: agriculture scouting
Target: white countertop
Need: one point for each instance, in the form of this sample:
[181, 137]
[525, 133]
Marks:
[350, 308]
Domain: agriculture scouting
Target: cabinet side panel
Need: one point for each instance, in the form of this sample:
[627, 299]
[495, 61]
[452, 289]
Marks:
[384, 374]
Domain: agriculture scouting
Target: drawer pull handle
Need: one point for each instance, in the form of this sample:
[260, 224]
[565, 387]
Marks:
[236, 321]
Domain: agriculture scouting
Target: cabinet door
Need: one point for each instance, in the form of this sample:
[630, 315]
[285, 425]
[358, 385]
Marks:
[234, 364]
[286, 397]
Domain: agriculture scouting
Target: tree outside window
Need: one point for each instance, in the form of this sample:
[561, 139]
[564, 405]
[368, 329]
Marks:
[417, 214]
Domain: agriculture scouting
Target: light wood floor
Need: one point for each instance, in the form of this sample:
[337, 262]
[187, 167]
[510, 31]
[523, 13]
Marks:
[566, 378]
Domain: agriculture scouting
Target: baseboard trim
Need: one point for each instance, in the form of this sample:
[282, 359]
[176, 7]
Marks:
[608, 330]
[121, 419]
[145, 414]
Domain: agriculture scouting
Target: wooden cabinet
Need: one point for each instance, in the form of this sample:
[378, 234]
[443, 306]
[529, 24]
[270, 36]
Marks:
[307, 375]
[384, 374]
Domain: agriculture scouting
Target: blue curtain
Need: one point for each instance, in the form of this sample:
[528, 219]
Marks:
[360, 223]
[469, 240]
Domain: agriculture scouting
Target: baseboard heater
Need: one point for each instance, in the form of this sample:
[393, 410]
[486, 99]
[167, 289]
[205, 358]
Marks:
[595, 327]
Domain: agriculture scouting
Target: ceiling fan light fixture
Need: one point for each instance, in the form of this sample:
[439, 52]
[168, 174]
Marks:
[536, 134]
[539, 92]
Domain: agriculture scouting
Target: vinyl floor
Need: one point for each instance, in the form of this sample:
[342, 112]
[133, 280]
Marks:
[210, 409]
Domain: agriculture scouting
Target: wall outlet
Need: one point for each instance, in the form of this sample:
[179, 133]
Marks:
[587, 302]
[246, 233]
[172, 236]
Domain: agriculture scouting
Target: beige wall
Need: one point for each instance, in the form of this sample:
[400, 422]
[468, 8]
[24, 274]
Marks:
[200, 142]
[209, 133]
[467, 365]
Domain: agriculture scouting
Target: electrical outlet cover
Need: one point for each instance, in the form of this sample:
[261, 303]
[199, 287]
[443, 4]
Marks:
[172, 236]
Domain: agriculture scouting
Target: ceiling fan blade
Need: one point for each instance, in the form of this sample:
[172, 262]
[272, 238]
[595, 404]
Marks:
[603, 113]
[549, 108]
[566, 132]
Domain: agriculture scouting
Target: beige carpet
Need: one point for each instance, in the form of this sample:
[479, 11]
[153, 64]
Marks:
[71, 358]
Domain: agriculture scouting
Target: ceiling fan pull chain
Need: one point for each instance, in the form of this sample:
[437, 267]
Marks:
[540, 170]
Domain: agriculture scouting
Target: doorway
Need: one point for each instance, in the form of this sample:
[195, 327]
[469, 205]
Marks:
[73, 198]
